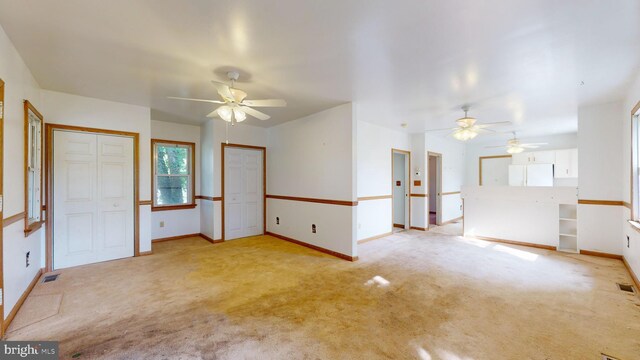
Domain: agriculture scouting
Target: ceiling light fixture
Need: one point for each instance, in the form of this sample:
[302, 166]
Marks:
[515, 149]
[467, 128]
[239, 115]
[464, 134]
[225, 113]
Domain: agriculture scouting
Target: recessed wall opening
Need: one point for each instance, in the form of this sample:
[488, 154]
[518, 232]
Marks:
[435, 188]
[400, 168]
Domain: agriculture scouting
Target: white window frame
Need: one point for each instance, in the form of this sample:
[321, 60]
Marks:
[191, 175]
[33, 127]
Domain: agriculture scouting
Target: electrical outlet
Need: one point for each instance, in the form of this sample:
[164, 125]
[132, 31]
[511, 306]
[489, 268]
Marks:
[460, 207]
[161, 223]
[277, 220]
[627, 241]
[313, 228]
[27, 258]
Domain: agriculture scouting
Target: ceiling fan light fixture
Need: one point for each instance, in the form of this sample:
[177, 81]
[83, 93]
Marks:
[225, 113]
[466, 121]
[239, 115]
[465, 134]
[515, 149]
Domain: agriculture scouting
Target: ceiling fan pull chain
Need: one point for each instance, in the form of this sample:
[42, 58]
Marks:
[227, 132]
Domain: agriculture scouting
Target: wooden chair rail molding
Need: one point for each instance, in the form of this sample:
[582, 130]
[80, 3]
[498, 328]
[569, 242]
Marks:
[314, 200]
[451, 193]
[601, 202]
[419, 195]
[366, 198]
[12, 219]
[210, 198]
[144, 202]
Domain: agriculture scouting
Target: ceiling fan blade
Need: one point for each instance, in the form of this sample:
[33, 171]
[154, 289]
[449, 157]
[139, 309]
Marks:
[202, 100]
[485, 129]
[495, 147]
[494, 124]
[443, 129]
[255, 113]
[238, 94]
[529, 146]
[224, 90]
[265, 103]
[536, 144]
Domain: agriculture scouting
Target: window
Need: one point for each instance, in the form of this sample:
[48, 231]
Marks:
[173, 175]
[33, 167]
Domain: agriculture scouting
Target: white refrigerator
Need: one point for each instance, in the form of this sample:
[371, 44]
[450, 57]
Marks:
[531, 175]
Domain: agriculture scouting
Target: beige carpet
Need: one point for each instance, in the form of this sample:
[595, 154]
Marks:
[36, 308]
[413, 295]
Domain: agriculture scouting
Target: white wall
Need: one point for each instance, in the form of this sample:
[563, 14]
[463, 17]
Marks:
[476, 149]
[632, 251]
[67, 109]
[206, 179]
[313, 157]
[19, 85]
[183, 221]
[600, 171]
[453, 172]
[374, 144]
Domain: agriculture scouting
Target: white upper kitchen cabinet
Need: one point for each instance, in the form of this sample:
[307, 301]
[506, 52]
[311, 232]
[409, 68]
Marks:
[566, 165]
[535, 157]
[543, 157]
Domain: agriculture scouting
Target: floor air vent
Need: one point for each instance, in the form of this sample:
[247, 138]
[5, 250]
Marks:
[626, 288]
[50, 278]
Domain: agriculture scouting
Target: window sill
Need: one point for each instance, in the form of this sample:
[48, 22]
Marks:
[173, 207]
[634, 224]
[33, 227]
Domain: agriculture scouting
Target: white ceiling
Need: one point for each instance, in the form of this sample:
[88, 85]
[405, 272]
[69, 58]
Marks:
[412, 61]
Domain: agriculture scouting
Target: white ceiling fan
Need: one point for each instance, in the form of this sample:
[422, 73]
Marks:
[514, 146]
[467, 128]
[235, 107]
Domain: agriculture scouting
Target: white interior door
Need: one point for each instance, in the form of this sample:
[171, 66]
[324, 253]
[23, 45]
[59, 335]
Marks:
[93, 180]
[243, 193]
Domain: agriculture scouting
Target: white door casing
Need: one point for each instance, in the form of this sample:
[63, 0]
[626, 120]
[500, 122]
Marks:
[93, 198]
[243, 193]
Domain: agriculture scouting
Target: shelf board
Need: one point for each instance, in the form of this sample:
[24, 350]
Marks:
[568, 219]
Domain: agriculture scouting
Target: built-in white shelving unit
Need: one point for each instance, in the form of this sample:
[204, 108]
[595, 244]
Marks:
[568, 237]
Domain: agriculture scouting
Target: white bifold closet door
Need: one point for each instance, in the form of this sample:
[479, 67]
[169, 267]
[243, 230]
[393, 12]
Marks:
[93, 204]
[243, 193]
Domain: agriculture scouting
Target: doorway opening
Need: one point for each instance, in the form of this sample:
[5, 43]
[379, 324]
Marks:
[434, 176]
[401, 207]
[244, 185]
